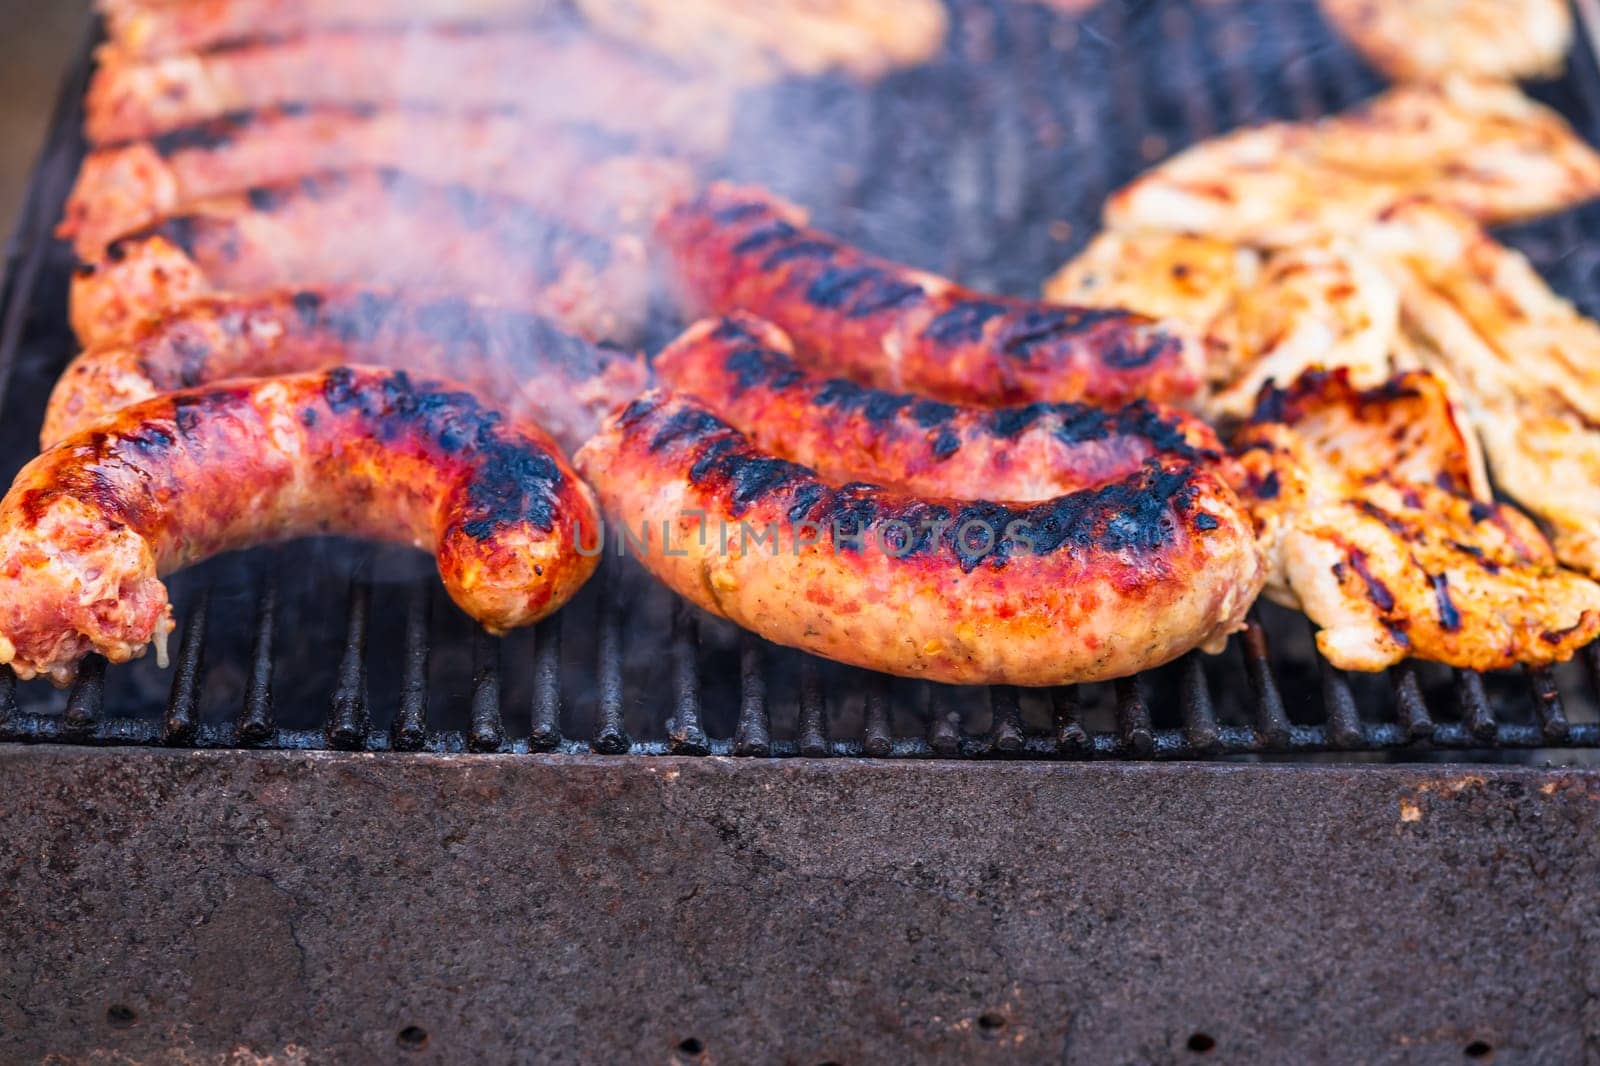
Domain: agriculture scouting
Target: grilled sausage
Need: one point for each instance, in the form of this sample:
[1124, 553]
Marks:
[149, 28]
[741, 368]
[887, 325]
[596, 181]
[1085, 586]
[521, 363]
[551, 74]
[89, 525]
[367, 227]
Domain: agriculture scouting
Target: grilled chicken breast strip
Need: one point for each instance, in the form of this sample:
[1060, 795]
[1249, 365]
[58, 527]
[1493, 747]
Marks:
[1426, 40]
[90, 526]
[890, 326]
[367, 227]
[519, 363]
[866, 38]
[1484, 147]
[1090, 585]
[1527, 360]
[1366, 503]
[597, 181]
[1266, 316]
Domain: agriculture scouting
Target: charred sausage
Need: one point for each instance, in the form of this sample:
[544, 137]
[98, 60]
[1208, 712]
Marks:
[521, 363]
[882, 324]
[741, 367]
[367, 227]
[148, 28]
[599, 182]
[551, 74]
[1088, 585]
[89, 526]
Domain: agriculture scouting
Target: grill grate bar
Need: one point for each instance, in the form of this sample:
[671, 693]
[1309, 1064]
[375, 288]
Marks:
[1199, 717]
[813, 710]
[545, 732]
[410, 728]
[753, 734]
[255, 715]
[487, 732]
[1553, 724]
[1410, 704]
[877, 738]
[1071, 737]
[944, 723]
[347, 713]
[1005, 705]
[1344, 722]
[1272, 724]
[1166, 743]
[8, 695]
[1476, 714]
[685, 734]
[88, 696]
[610, 736]
[1133, 716]
[183, 708]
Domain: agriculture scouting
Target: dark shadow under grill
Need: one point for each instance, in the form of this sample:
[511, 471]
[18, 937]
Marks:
[989, 164]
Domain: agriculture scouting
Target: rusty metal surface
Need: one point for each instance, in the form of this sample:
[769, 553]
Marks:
[169, 906]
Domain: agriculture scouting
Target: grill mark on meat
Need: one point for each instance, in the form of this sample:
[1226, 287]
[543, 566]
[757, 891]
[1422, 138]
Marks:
[753, 366]
[517, 484]
[1377, 591]
[963, 322]
[1129, 515]
[1449, 617]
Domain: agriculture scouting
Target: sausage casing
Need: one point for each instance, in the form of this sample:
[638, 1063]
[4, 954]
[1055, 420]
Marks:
[882, 324]
[521, 363]
[1085, 586]
[367, 227]
[740, 367]
[89, 526]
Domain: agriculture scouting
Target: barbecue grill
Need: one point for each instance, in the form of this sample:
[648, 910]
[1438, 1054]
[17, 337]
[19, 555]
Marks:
[235, 857]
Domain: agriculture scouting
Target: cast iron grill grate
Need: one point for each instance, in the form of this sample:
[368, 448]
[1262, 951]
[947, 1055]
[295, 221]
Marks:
[990, 164]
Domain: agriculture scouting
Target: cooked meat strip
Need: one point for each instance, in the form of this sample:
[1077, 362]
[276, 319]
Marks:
[1426, 40]
[742, 369]
[89, 526]
[1484, 147]
[1266, 316]
[551, 75]
[150, 28]
[887, 325]
[1366, 503]
[598, 181]
[1527, 360]
[520, 363]
[1089, 585]
[866, 38]
[367, 227]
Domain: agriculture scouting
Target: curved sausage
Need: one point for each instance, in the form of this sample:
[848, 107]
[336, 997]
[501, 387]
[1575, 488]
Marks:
[742, 369]
[367, 227]
[882, 324]
[1089, 585]
[521, 363]
[89, 526]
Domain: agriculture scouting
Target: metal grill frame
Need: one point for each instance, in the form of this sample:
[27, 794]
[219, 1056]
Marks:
[1413, 729]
